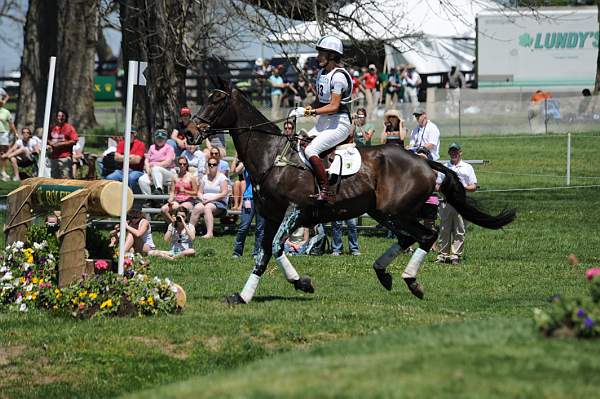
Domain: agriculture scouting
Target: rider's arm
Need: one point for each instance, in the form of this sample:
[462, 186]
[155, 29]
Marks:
[332, 107]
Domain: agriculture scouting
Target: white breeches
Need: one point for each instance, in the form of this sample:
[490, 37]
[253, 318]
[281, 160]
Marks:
[330, 130]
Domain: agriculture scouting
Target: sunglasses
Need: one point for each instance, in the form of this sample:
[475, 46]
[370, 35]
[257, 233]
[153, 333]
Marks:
[214, 153]
[212, 165]
[182, 164]
[289, 128]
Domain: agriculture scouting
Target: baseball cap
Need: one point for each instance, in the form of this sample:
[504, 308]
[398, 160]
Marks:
[185, 111]
[160, 134]
[419, 111]
[454, 146]
[373, 67]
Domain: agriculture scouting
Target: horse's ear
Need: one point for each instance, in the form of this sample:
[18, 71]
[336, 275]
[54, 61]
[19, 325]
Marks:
[224, 84]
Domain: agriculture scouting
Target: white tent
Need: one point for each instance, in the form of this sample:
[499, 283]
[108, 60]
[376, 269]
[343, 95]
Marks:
[433, 35]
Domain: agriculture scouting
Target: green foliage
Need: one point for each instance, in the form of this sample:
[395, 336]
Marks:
[38, 233]
[97, 244]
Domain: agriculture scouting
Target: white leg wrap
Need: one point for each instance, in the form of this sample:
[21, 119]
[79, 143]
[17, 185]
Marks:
[286, 267]
[388, 257]
[414, 264]
[250, 288]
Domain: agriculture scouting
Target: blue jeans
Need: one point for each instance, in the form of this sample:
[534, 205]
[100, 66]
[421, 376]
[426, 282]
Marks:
[245, 220]
[336, 244]
[134, 176]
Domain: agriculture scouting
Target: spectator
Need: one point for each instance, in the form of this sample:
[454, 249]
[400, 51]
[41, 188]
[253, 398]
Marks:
[413, 83]
[337, 245]
[239, 185]
[288, 127]
[137, 150]
[452, 229]
[358, 90]
[223, 165]
[215, 142]
[196, 160]
[212, 196]
[107, 164]
[369, 81]
[24, 152]
[159, 164]
[393, 89]
[7, 126]
[4, 97]
[429, 211]
[177, 140]
[296, 242]
[139, 233]
[361, 130]
[425, 134]
[183, 190]
[77, 161]
[394, 130]
[277, 87]
[180, 234]
[63, 137]
[247, 214]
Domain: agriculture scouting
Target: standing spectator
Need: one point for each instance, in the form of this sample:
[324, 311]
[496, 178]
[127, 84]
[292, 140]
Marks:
[337, 245]
[24, 152]
[456, 81]
[394, 130]
[196, 160]
[393, 88]
[7, 126]
[413, 83]
[62, 139]
[180, 234]
[212, 196]
[239, 185]
[361, 130]
[182, 190]
[4, 97]
[369, 81]
[452, 229]
[159, 165]
[248, 213]
[137, 150]
[425, 134]
[277, 87]
[177, 140]
[358, 90]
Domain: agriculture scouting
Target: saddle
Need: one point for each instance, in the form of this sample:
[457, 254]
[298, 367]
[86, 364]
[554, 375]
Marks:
[342, 160]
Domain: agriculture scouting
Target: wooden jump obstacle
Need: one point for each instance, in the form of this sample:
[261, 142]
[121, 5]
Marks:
[75, 199]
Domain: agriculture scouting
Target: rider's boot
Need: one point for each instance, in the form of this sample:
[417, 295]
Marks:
[322, 180]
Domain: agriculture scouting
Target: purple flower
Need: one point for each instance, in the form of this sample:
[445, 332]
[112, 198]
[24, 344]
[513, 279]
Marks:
[588, 322]
[580, 313]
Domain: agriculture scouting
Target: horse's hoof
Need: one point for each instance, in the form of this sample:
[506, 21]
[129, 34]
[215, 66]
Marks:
[385, 278]
[304, 284]
[414, 287]
[234, 299]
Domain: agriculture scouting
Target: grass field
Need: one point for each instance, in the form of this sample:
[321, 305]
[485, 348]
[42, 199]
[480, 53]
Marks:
[471, 337]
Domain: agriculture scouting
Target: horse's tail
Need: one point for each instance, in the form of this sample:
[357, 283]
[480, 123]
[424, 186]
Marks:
[456, 196]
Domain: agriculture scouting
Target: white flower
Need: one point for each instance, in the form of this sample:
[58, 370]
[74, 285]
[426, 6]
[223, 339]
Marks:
[23, 308]
[18, 244]
[139, 276]
[156, 280]
[29, 288]
[173, 289]
[3, 269]
[156, 297]
[6, 277]
[168, 281]
[19, 299]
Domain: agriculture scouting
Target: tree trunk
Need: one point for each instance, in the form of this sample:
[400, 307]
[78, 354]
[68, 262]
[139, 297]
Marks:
[39, 43]
[77, 39]
[155, 31]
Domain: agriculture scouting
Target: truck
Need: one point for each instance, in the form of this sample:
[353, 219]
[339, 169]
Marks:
[549, 48]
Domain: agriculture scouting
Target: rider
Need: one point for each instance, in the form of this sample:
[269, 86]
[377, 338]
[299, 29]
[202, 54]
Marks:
[334, 91]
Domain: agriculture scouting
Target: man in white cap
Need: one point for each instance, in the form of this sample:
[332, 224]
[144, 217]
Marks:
[425, 135]
[369, 81]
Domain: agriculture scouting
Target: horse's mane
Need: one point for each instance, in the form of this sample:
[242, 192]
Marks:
[259, 117]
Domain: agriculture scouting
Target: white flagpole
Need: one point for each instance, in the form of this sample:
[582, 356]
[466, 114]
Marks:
[131, 79]
[49, 89]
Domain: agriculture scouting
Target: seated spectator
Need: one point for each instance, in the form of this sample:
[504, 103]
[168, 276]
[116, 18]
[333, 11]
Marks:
[76, 159]
[215, 142]
[7, 127]
[212, 197]
[223, 165]
[296, 242]
[139, 233]
[159, 165]
[196, 160]
[136, 162]
[183, 190]
[177, 140]
[107, 164]
[239, 185]
[23, 152]
[180, 234]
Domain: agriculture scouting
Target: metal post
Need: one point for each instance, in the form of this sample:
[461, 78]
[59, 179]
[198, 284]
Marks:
[132, 73]
[49, 89]
[568, 159]
[546, 115]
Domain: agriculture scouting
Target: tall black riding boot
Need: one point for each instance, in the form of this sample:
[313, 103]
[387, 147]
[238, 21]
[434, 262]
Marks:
[322, 180]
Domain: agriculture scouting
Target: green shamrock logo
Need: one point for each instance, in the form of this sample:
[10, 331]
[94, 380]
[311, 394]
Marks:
[525, 40]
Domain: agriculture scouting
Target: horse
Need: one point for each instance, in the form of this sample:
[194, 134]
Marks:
[391, 186]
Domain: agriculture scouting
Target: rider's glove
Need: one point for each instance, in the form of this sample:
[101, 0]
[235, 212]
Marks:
[301, 112]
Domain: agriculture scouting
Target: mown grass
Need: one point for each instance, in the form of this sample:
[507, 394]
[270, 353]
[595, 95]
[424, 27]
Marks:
[471, 337]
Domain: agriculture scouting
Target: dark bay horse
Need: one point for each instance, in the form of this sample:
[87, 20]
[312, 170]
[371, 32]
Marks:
[391, 186]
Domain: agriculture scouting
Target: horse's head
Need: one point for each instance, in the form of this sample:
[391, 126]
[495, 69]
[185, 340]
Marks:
[214, 115]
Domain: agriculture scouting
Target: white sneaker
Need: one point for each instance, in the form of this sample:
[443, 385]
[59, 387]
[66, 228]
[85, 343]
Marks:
[4, 176]
[15, 178]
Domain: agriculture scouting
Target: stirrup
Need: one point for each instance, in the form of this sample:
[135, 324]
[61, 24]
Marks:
[323, 196]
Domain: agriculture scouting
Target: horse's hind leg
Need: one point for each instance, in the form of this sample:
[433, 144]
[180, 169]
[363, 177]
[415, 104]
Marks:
[291, 221]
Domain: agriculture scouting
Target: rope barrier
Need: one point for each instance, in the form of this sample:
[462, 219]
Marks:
[537, 189]
[536, 175]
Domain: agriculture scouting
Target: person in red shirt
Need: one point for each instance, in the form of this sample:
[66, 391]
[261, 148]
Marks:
[136, 162]
[63, 137]
[369, 81]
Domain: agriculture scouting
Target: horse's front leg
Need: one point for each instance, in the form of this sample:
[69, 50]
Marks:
[291, 221]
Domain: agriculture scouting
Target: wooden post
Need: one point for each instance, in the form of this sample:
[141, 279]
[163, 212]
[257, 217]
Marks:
[19, 214]
[72, 263]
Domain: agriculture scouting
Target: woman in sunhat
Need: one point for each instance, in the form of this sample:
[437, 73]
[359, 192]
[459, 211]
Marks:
[394, 130]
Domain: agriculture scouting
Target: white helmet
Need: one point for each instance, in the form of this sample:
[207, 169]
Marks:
[331, 43]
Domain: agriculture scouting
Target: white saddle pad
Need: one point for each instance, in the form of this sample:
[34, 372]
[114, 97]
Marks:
[347, 156]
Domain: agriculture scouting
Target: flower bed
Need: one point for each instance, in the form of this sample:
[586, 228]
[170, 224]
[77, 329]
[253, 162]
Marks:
[28, 278]
[579, 317]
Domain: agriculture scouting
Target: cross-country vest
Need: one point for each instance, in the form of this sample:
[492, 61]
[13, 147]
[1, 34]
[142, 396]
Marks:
[325, 86]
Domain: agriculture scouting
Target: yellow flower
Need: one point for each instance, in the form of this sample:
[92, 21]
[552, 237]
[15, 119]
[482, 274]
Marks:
[34, 296]
[22, 280]
[142, 302]
[82, 294]
[29, 259]
[57, 293]
[150, 301]
[34, 280]
[106, 304]
[93, 295]
[41, 281]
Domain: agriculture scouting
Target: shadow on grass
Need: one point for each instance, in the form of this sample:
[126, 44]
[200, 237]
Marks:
[270, 298]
